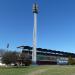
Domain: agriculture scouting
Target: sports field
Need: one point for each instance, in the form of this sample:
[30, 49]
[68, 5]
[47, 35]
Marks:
[39, 70]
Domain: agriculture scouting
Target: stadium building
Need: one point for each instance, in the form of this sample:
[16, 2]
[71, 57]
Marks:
[46, 56]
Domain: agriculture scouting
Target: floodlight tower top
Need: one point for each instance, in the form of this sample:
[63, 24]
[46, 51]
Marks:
[35, 7]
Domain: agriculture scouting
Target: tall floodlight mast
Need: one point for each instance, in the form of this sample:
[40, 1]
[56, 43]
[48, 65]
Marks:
[35, 12]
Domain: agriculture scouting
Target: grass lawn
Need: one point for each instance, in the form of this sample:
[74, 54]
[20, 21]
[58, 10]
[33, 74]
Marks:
[40, 70]
[59, 70]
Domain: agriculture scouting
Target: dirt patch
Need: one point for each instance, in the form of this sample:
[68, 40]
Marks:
[37, 72]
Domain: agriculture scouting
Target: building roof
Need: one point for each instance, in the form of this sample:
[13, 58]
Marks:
[47, 51]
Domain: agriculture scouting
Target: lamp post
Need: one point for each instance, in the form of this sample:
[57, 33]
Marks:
[35, 12]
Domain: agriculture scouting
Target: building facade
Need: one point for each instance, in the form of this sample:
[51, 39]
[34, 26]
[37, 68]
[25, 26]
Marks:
[46, 57]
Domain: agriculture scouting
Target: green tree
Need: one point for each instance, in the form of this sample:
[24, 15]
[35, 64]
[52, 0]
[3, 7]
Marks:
[71, 61]
[10, 57]
[25, 59]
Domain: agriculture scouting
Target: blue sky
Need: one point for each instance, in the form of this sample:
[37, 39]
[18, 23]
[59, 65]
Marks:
[56, 24]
